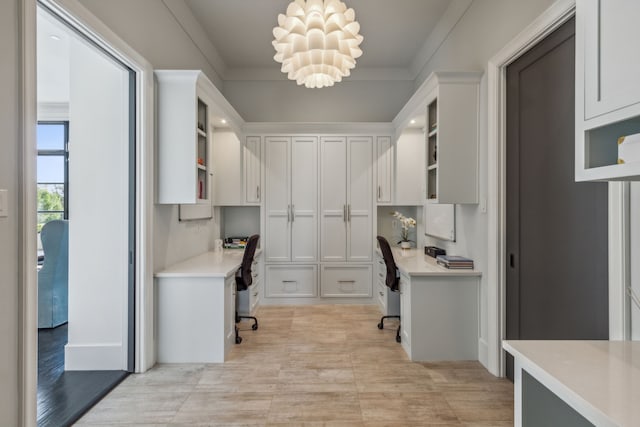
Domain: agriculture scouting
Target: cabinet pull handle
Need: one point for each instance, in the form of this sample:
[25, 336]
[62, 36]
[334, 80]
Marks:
[346, 281]
[344, 213]
[288, 213]
[381, 294]
[349, 213]
[293, 213]
[379, 192]
[258, 192]
[256, 294]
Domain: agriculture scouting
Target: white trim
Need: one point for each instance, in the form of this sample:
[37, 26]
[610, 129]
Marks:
[53, 111]
[558, 13]
[78, 16]
[619, 263]
[28, 329]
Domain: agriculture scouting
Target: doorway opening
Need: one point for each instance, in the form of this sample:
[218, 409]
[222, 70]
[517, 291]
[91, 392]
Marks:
[86, 220]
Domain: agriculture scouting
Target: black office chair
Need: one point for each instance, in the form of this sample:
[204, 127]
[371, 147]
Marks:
[392, 279]
[244, 279]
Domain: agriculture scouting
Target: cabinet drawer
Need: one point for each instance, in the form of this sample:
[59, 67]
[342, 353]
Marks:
[381, 298]
[346, 281]
[291, 281]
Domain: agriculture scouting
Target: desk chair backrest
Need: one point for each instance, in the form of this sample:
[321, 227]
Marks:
[392, 280]
[244, 278]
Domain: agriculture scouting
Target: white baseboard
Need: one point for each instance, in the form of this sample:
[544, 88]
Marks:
[94, 357]
[483, 353]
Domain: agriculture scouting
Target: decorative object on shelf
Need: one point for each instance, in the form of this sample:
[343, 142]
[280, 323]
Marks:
[317, 42]
[406, 223]
[629, 148]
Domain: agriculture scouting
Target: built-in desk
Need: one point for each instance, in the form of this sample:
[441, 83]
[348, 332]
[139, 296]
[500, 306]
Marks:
[576, 383]
[438, 308]
[195, 308]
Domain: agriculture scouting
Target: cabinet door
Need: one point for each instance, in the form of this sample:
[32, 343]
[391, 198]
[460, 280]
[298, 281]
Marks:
[410, 161]
[405, 313]
[333, 199]
[384, 163]
[277, 204]
[360, 199]
[304, 199]
[252, 170]
[611, 63]
[227, 154]
[229, 310]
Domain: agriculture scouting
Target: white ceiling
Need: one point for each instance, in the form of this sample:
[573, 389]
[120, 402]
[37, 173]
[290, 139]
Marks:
[394, 31]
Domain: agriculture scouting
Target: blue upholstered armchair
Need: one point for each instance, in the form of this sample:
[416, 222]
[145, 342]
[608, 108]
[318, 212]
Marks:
[53, 278]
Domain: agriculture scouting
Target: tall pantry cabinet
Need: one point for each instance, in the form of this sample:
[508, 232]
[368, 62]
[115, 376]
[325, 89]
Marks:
[291, 199]
[346, 199]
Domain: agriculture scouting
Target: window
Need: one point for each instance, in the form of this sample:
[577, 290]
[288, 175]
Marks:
[53, 176]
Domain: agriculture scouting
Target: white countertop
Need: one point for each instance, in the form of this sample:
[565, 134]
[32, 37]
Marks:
[415, 263]
[209, 264]
[599, 379]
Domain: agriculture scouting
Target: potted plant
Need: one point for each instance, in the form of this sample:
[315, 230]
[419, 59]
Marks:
[406, 223]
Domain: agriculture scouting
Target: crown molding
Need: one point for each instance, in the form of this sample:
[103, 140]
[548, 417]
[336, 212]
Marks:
[346, 128]
[53, 111]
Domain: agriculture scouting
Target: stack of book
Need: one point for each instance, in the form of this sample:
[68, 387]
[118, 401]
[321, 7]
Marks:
[455, 262]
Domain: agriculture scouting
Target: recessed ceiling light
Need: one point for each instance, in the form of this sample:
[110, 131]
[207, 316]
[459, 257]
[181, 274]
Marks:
[54, 37]
[413, 121]
[223, 121]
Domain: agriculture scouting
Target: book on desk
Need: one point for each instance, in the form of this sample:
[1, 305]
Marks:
[454, 262]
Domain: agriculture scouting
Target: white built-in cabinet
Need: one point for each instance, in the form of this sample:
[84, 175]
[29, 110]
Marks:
[291, 199]
[384, 167]
[252, 170]
[400, 169]
[184, 141]
[607, 87]
[346, 199]
[339, 281]
[452, 137]
[237, 165]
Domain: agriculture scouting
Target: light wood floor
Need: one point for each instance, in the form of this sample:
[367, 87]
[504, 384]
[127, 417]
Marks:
[312, 366]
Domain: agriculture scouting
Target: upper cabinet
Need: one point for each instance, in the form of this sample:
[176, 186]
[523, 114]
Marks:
[452, 138]
[183, 138]
[607, 87]
[237, 169]
[409, 155]
[384, 163]
[252, 170]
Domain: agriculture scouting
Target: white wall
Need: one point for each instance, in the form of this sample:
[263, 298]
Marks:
[10, 72]
[98, 210]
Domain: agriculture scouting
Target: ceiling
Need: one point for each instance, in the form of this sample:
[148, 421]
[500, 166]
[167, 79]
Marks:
[394, 31]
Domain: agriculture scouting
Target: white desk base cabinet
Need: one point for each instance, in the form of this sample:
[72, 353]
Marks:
[195, 308]
[195, 319]
[439, 317]
[438, 309]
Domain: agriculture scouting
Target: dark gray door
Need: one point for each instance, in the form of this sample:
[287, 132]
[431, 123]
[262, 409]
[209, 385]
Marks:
[557, 265]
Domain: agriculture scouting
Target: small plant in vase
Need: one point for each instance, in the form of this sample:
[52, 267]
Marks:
[406, 223]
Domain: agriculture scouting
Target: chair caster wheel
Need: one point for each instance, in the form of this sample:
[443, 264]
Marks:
[238, 340]
[254, 327]
[380, 325]
[398, 339]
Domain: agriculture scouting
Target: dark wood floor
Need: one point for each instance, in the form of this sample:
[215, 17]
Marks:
[63, 397]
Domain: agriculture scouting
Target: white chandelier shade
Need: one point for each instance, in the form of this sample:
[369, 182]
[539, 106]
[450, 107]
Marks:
[317, 42]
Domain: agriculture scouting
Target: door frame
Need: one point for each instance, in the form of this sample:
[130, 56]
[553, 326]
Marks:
[77, 16]
[556, 15]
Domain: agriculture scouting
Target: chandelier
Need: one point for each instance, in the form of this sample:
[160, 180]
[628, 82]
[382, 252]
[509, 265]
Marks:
[317, 42]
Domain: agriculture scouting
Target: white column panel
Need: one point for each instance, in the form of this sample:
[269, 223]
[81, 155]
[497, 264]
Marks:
[333, 201]
[277, 204]
[304, 199]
